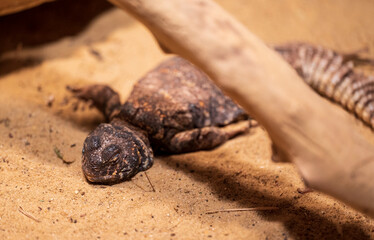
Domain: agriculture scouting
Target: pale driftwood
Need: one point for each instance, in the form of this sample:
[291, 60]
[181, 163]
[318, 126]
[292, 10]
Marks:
[12, 6]
[316, 136]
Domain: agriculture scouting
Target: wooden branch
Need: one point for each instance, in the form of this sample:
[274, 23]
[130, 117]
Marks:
[320, 139]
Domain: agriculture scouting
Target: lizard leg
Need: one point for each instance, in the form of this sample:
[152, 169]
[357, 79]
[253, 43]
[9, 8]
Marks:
[206, 137]
[103, 97]
[356, 58]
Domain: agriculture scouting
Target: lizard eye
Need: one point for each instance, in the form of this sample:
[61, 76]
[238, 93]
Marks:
[92, 143]
[111, 153]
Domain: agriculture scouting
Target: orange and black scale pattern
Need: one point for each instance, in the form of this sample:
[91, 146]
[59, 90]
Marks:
[174, 108]
[333, 75]
[115, 151]
[176, 97]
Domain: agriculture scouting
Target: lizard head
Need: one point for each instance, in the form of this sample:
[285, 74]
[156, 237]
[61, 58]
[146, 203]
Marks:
[113, 153]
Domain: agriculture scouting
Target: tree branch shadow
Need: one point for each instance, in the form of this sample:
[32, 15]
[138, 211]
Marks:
[302, 222]
[48, 22]
[43, 32]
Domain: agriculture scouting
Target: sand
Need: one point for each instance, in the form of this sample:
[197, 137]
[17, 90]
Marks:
[45, 197]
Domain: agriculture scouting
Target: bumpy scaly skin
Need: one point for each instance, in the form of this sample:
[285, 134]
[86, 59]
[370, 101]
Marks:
[176, 105]
[103, 97]
[332, 75]
[114, 152]
[177, 97]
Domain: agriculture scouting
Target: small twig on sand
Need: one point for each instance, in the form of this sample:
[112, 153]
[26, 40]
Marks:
[176, 225]
[243, 209]
[153, 188]
[304, 190]
[60, 156]
[138, 186]
[20, 209]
